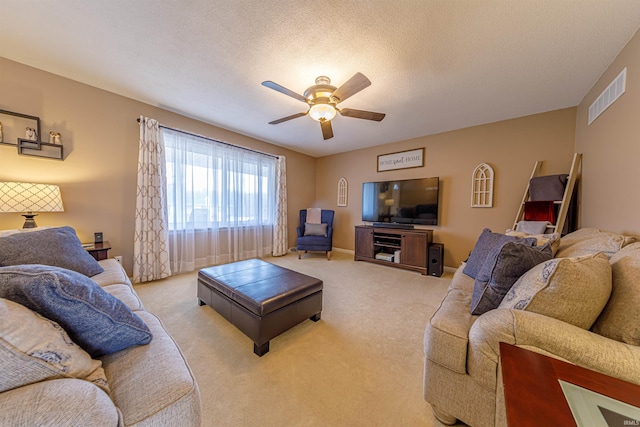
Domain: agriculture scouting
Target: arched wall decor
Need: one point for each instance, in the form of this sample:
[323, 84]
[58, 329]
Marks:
[482, 186]
[342, 192]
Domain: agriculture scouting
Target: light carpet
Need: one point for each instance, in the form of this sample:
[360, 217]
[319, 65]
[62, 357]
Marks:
[360, 365]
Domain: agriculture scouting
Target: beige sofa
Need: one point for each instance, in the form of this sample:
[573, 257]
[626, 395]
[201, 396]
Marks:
[148, 385]
[586, 318]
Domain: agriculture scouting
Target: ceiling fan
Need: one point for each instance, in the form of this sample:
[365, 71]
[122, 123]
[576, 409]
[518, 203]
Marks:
[323, 100]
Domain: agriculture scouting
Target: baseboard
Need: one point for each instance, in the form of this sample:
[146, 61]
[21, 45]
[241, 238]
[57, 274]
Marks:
[352, 252]
[346, 251]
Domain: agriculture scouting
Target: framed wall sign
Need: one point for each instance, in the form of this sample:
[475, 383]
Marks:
[401, 160]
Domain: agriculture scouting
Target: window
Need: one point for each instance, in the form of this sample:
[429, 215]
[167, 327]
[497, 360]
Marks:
[216, 185]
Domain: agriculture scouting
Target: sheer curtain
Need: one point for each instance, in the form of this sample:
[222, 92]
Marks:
[150, 252]
[221, 201]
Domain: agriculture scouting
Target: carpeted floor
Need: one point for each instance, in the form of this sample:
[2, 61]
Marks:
[360, 365]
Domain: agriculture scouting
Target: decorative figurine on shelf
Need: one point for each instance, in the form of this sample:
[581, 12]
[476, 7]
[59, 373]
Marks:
[54, 137]
[1, 136]
[31, 134]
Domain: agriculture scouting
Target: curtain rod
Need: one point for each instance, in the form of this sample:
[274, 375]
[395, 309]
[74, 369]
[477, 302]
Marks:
[215, 140]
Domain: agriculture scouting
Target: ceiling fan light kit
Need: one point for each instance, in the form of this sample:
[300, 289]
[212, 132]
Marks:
[323, 98]
[322, 112]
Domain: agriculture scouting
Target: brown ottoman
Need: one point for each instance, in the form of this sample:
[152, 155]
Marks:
[259, 298]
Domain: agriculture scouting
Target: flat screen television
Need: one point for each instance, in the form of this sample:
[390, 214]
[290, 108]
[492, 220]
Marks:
[409, 201]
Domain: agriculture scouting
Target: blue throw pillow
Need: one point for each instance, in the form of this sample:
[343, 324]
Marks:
[486, 242]
[501, 269]
[95, 320]
[59, 247]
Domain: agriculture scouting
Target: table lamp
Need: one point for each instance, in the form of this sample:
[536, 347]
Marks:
[29, 198]
[389, 203]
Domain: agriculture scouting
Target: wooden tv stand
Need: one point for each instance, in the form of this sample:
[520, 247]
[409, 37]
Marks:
[412, 244]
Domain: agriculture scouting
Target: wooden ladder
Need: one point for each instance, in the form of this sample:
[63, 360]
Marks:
[566, 198]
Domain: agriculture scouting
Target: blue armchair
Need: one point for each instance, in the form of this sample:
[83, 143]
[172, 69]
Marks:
[314, 237]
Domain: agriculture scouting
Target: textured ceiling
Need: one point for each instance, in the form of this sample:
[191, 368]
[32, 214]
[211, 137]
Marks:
[435, 65]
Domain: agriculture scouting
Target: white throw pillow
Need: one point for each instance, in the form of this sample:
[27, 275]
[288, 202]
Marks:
[574, 290]
[34, 349]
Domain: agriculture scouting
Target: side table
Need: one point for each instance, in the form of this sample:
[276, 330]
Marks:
[98, 250]
[534, 397]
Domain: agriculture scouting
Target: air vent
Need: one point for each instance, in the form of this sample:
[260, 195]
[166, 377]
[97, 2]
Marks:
[608, 96]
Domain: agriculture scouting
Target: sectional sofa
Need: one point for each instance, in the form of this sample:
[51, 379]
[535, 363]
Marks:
[580, 305]
[78, 348]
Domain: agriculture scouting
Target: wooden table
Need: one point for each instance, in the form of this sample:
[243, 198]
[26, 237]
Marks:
[534, 397]
[98, 250]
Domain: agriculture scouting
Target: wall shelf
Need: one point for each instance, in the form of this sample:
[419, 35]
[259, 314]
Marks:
[27, 147]
[39, 149]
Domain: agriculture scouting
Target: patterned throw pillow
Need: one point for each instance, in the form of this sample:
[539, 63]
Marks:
[574, 290]
[502, 267]
[620, 319]
[591, 240]
[552, 239]
[59, 247]
[34, 349]
[485, 243]
[95, 320]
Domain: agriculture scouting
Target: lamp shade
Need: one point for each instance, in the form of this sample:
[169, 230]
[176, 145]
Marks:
[322, 112]
[30, 197]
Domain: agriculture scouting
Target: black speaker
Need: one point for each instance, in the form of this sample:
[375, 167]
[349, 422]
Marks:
[436, 256]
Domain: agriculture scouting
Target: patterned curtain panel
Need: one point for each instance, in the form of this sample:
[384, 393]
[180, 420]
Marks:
[280, 243]
[150, 250]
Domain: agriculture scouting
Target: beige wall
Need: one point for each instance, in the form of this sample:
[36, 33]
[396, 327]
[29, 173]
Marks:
[511, 148]
[611, 150]
[100, 136]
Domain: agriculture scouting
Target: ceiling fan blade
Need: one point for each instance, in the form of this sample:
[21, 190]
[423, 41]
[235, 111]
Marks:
[284, 119]
[359, 114]
[284, 90]
[352, 86]
[327, 130]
